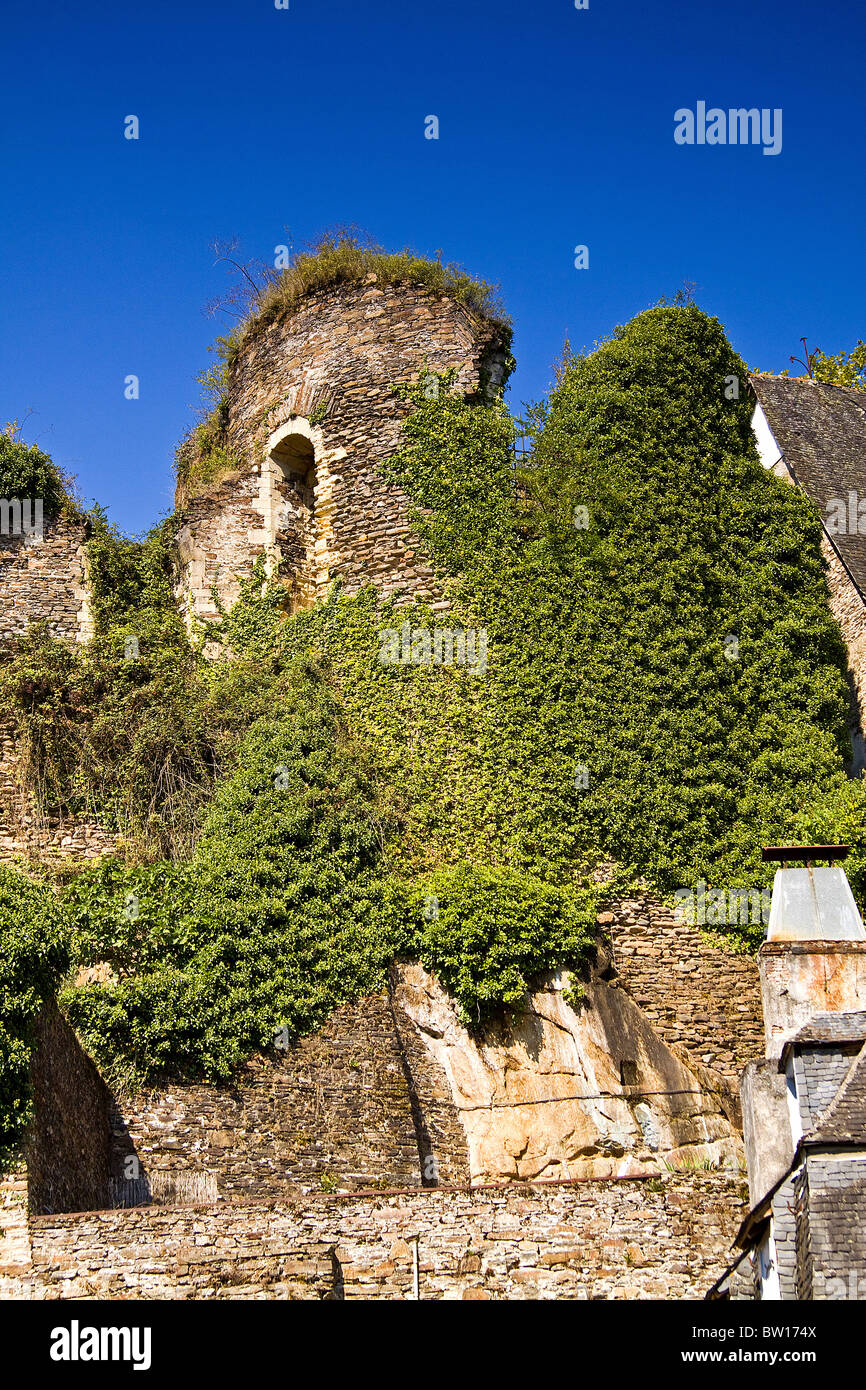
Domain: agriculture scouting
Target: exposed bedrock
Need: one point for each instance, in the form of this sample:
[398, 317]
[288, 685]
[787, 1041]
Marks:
[562, 1092]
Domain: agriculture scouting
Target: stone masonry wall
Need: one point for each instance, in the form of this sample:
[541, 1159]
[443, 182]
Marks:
[15, 1251]
[334, 362]
[45, 581]
[26, 835]
[699, 996]
[67, 1142]
[663, 1238]
[341, 1107]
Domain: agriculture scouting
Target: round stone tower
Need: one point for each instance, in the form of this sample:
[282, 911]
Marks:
[311, 415]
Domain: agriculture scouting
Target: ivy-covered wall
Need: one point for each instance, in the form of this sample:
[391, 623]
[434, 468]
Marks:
[662, 690]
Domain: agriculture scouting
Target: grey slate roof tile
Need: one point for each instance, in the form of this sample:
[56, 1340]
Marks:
[832, 1028]
[821, 431]
[844, 1120]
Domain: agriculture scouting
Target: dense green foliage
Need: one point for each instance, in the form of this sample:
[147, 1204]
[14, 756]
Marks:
[664, 692]
[714, 702]
[656, 608]
[292, 904]
[25, 471]
[33, 956]
[841, 368]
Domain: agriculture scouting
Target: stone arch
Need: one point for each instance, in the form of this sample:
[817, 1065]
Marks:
[290, 478]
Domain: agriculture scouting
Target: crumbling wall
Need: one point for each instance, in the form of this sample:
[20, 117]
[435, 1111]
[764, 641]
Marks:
[395, 1091]
[25, 834]
[663, 1238]
[45, 581]
[340, 1107]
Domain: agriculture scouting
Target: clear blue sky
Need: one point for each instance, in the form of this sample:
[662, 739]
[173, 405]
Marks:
[556, 128]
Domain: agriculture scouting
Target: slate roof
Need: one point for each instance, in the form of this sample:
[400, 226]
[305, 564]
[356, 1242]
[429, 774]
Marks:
[832, 1029]
[821, 431]
[844, 1120]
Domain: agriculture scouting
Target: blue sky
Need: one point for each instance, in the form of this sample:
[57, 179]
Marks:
[556, 129]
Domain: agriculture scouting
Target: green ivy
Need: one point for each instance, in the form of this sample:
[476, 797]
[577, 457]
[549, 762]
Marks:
[33, 956]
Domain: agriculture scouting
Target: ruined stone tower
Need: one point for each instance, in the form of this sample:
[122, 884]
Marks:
[311, 414]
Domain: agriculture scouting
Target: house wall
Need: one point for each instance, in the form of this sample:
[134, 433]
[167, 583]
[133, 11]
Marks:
[766, 1126]
[819, 1072]
[787, 1228]
[834, 1231]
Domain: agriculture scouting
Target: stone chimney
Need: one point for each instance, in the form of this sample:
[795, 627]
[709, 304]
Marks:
[813, 964]
[813, 986]
[814, 958]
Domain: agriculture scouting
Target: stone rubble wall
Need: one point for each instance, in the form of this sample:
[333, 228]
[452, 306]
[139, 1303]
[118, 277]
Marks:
[15, 1249]
[45, 581]
[694, 994]
[357, 1104]
[67, 1143]
[393, 1091]
[668, 1237]
[330, 367]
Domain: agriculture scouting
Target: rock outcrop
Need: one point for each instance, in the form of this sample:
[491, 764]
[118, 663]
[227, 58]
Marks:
[559, 1092]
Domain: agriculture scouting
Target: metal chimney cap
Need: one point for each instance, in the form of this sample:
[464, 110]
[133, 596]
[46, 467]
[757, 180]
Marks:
[814, 905]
